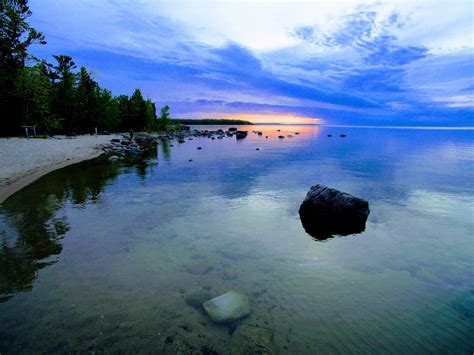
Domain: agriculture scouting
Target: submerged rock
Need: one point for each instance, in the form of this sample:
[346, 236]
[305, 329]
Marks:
[229, 273]
[228, 307]
[196, 299]
[114, 158]
[254, 340]
[199, 267]
[325, 212]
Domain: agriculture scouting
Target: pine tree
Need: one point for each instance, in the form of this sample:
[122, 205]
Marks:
[16, 35]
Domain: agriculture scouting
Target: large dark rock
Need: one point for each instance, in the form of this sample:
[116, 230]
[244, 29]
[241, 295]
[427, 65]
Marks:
[232, 129]
[326, 212]
[241, 134]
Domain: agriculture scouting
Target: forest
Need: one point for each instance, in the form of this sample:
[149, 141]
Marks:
[59, 97]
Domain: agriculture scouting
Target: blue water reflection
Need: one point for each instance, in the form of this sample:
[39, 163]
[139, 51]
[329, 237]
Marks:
[125, 243]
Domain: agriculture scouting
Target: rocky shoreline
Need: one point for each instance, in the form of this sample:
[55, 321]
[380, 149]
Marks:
[141, 141]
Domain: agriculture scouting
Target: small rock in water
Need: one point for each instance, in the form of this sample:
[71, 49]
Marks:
[228, 307]
[199, 267]
[199, 148]
[254, 340]
[297, 133]
[229, 273]
[257, 149]
[196, 299]
[181, 141]
[281, 137]
[114, 158]
[329, 135]
[241, 134]
[342, 135]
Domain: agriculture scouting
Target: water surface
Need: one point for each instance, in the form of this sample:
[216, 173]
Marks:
[101, 256]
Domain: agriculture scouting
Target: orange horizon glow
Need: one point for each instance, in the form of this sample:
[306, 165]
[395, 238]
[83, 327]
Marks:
[281, 118]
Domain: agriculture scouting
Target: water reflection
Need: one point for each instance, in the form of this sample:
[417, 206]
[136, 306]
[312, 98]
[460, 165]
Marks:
[32, 225]
[142, 241]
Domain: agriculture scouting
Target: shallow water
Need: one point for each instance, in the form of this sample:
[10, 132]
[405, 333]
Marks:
[101, 256]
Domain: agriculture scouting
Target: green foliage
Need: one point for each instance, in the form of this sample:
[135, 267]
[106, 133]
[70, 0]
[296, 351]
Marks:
[63, 91]
[164, 121]
[151, 123]
[16, 35]
[32, 89]
[57, 97]
[137, 111]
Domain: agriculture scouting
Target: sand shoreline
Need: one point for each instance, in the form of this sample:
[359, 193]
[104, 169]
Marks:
[24, 160]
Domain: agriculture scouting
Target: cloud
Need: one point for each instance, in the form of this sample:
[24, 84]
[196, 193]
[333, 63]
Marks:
[347, 62]
[370, 34]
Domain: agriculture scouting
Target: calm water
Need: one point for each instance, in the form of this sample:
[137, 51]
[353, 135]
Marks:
[101, 256]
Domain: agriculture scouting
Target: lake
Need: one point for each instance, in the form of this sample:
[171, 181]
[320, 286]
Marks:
[105, 256]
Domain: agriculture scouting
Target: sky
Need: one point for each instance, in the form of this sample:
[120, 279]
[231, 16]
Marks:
[337, 62]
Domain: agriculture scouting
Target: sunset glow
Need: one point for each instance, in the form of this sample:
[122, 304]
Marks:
[280, 118]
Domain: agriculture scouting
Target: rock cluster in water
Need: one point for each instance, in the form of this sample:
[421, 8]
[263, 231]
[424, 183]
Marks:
[141, 140]
[325, 212]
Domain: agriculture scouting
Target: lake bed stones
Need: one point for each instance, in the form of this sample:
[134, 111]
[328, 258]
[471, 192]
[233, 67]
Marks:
[227, 307]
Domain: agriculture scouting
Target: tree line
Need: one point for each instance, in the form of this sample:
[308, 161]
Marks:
[59, 97]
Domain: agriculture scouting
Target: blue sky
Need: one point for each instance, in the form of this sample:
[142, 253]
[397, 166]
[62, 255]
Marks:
[346, 62]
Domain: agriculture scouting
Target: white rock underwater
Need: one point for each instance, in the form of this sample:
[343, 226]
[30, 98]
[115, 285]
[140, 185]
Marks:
[228, 307]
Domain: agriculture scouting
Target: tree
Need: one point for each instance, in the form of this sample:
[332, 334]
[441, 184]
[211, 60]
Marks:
[107, 111]
[124, 112]
[16, 35]
[151, 122]
[164, 121]
[137, 111]
[86, 111]
[63, 95]
[32, 90]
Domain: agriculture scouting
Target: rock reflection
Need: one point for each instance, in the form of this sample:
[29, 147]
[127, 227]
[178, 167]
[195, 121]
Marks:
[322, 232]
[31, 227]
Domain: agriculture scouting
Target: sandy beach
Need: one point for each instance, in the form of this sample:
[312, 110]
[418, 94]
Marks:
[25, 160]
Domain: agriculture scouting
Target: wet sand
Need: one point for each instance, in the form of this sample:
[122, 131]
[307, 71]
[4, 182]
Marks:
[25, 160]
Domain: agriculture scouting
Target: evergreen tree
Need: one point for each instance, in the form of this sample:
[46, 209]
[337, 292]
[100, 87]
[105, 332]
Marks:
[137, 111]
[151, 123]
[64, 90]
[107, 111]
[86, 110]
[124, 112]
[16, 35]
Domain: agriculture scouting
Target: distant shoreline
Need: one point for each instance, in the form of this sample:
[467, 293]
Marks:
[210, 121]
